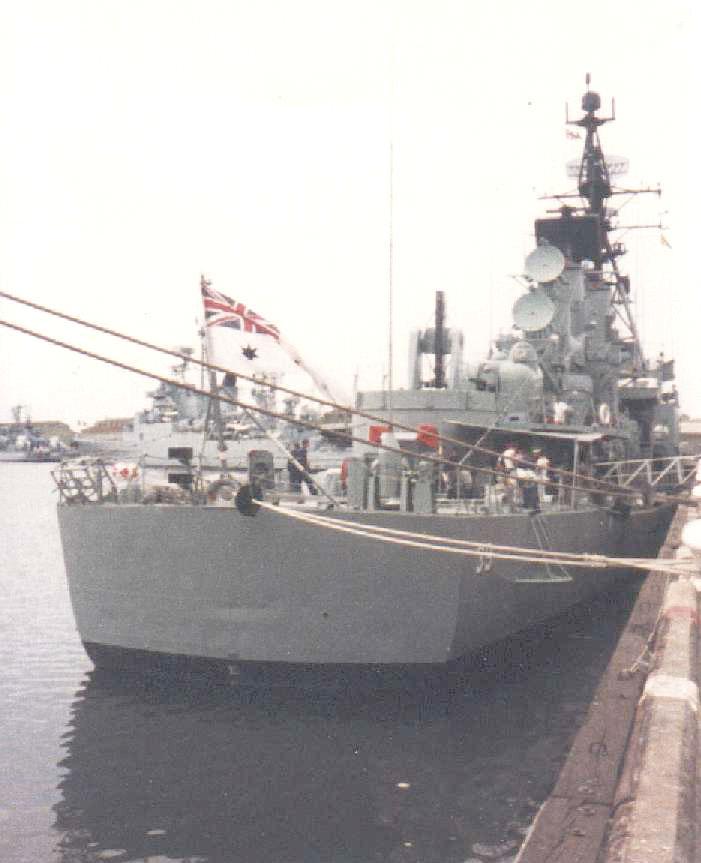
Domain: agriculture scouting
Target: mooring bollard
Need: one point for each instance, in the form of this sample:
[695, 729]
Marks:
[691, 534]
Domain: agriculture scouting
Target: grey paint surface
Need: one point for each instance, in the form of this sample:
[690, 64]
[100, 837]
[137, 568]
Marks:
[209, 582]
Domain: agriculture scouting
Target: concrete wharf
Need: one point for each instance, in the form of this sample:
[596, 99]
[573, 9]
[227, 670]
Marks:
[627, 792]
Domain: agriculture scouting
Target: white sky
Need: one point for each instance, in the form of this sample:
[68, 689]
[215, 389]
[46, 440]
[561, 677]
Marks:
[143, 142]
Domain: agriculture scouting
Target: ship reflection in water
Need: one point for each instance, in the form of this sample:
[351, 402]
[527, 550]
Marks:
[421, 770]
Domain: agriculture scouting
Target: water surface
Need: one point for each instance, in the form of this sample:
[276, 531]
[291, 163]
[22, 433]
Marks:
[98, 767]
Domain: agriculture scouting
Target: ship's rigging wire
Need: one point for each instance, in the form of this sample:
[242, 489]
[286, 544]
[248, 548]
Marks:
[229, 400]
[617, 490]
[482, 550]
[593, 483]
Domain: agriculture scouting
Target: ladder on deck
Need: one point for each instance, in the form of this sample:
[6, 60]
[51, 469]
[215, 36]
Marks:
[547, 573]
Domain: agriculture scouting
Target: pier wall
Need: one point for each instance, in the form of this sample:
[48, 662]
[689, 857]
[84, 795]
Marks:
[627, 792]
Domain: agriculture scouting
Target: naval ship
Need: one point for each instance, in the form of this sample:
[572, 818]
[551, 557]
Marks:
[554, 445]
[179, 418]
[25, 441]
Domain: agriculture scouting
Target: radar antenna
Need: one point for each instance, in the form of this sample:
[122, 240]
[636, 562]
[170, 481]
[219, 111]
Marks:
[594, 180]
[594, 186]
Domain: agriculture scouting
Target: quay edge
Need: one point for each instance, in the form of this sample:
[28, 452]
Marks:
[627, 792]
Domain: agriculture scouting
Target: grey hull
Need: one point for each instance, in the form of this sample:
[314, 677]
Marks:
[210, 583]
[13, 455]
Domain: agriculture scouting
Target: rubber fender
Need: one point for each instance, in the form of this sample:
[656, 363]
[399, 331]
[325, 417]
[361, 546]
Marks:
[246, 497]
[621, 508]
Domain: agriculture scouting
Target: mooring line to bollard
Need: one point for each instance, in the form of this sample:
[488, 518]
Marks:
[637, 802]
[656, 821]
[470, 548]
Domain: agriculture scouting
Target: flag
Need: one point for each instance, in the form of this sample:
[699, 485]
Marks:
[241, 340]
[665, 241]
[570, 134]
[238, 338]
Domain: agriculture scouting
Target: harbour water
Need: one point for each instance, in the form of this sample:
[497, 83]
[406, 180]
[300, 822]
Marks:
[103, 768]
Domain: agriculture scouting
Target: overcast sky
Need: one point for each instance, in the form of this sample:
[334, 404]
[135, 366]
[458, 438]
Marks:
[143, 143]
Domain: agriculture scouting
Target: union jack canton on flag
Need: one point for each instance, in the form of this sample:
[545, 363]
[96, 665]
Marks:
[222, 311]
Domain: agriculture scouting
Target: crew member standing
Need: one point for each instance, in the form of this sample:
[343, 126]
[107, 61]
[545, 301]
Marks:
[303, 458]
[509, 459]
[542, 466]
[299, 454]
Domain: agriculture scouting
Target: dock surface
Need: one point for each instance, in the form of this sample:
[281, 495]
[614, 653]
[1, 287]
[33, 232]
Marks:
[626, 793]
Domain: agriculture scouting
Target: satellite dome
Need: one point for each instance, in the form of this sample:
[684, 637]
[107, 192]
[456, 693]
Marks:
[533, 311]
[544, 264]
[591, 101]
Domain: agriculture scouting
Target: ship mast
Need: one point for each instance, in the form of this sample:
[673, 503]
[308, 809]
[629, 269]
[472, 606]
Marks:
[594, 186]
[594, 181]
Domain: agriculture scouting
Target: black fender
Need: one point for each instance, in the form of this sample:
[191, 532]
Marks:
[246, 497]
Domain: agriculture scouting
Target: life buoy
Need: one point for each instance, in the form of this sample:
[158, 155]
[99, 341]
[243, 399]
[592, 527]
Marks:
[78, 490]
[604, 414]
[124, 471]
[224, 488]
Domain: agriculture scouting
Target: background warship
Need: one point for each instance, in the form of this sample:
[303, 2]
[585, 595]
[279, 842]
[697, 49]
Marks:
[22, 440]
[382, 567]
[177, 418]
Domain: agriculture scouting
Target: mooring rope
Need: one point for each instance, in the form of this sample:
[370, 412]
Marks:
[466, 543]
[477, 549]
[440, 461]
[601, 485]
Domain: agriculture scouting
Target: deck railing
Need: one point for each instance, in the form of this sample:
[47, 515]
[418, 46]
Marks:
[89, 482]
[675, 471]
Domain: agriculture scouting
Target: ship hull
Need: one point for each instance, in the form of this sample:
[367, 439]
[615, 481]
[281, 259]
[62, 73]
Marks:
[207, 584]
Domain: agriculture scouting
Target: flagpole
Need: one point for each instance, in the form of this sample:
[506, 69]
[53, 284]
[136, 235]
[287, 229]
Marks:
[214, 406]
[390, 298]
[390, 345]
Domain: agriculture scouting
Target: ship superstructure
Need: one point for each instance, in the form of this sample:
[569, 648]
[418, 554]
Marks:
[573, 357]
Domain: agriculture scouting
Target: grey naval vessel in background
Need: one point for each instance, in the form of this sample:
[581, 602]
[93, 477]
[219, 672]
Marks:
[229, 575]
[25, 441]
[177, 417]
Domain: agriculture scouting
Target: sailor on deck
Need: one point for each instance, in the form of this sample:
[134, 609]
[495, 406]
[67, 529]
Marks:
[542, 466]
[509, 460]
[560, 410]
[299, 455]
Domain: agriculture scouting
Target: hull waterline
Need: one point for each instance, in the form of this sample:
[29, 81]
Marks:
[209, 584]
